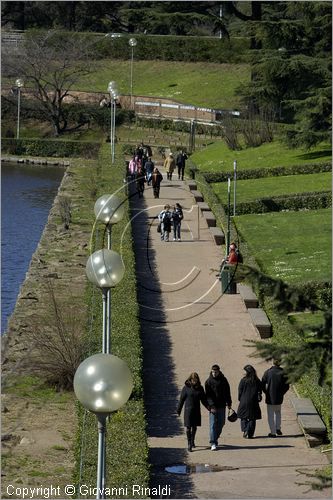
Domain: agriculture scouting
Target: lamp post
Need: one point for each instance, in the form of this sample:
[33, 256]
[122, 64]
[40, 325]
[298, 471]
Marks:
[235, 179]
[102, 383]
[105, 269]
[112, 88]
[132, 43]
[19, 84]
[228, 227]
[109, 210]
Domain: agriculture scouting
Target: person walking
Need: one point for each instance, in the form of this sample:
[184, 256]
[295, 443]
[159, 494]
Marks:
[165, 218]
[149, 166]
[191, 396]
[132, 168]
[156, 180]
[180, 162]
[177, 217]
[169, 165]
[218, 396]
[249, 396]
[275, 386]
[140, 182]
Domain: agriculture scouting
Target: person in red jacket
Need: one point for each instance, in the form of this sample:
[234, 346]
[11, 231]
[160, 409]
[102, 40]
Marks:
[232, 257]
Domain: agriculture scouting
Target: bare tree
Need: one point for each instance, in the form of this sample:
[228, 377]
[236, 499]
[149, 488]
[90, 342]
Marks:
[51, 66]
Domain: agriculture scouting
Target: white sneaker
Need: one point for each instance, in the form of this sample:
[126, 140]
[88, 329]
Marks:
[174, 239]
[213, 447]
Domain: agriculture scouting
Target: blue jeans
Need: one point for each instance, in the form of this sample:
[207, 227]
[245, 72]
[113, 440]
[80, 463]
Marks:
[216, 423]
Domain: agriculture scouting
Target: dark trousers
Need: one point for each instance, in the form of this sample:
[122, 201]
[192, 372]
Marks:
[248, 426]
[181, 171]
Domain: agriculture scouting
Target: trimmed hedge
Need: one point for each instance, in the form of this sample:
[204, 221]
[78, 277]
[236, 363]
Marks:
[126, 439]
[310, 201]
[170, 48]
[256, 173]
[44, 147]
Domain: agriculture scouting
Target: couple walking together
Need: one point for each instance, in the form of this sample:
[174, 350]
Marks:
[167, 219]
[216, 397]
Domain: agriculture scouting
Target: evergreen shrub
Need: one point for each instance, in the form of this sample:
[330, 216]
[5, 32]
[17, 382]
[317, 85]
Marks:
[49, 148]
[256, 173]
[175, 48]
[301, 201]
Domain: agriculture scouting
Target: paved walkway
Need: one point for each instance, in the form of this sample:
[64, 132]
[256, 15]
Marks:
[187, 325]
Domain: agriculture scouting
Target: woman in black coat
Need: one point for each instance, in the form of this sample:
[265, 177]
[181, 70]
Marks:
[191, 395]
[249, 396]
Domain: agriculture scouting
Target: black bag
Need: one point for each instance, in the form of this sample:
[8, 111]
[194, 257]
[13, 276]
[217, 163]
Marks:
[232, 415]
[239, 256]
[159, 227]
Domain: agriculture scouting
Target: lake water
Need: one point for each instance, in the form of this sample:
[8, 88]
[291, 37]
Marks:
[27, 194]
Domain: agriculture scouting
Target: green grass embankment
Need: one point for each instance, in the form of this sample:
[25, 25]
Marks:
[218, 157]
[253, 189]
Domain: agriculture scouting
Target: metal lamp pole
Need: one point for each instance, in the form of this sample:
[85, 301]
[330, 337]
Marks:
[132, 43]
[228, 229]
[19, 83]
[235, 179]
[105, 269]
[108, 209]
[112, 88]
[102, 383]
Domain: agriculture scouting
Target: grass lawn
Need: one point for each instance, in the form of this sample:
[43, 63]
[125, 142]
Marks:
[218, 157]
[292, 246]
[253, 189]
[200, 84]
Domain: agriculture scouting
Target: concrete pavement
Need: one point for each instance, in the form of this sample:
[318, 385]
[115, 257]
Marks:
[188, 325]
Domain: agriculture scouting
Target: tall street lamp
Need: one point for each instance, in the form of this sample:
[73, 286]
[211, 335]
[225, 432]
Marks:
[102, 383]
[112, 88]
[105, 269]
[19, 84]
[132, 43]
[109, 209]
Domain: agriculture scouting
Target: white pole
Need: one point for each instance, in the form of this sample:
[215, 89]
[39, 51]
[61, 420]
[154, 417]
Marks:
[221, 13]
[113, 129]
[132, 76]
[111, 124]
[18, 112]
[235, 178]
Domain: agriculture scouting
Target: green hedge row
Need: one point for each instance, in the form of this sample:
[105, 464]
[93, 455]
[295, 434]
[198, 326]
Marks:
[44, 147]
[169, 48]
[256, 173]
[126, 446]
[310, 201]
[179, 126]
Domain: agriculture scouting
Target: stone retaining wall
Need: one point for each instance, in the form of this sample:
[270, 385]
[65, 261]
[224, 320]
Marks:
[59, 259]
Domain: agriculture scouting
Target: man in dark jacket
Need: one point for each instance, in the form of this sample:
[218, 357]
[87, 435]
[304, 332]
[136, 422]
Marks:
[275, 386]
[180, 162]
[218, 396]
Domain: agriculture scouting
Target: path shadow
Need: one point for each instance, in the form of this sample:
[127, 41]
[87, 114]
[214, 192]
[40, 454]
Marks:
[161, 393]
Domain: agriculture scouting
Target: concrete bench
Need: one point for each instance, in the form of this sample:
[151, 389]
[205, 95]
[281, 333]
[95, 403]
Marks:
[310, 422]
[218, 235]
[210, 218]
[203, 206]
[197, 196]
[261, 322]
[192, 185]
[248, 296]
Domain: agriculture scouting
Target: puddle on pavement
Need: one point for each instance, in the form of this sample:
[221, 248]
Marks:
[196, 468]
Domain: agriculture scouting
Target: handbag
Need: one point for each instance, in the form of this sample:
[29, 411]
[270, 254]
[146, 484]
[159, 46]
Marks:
[232, 415]
[159, 227]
